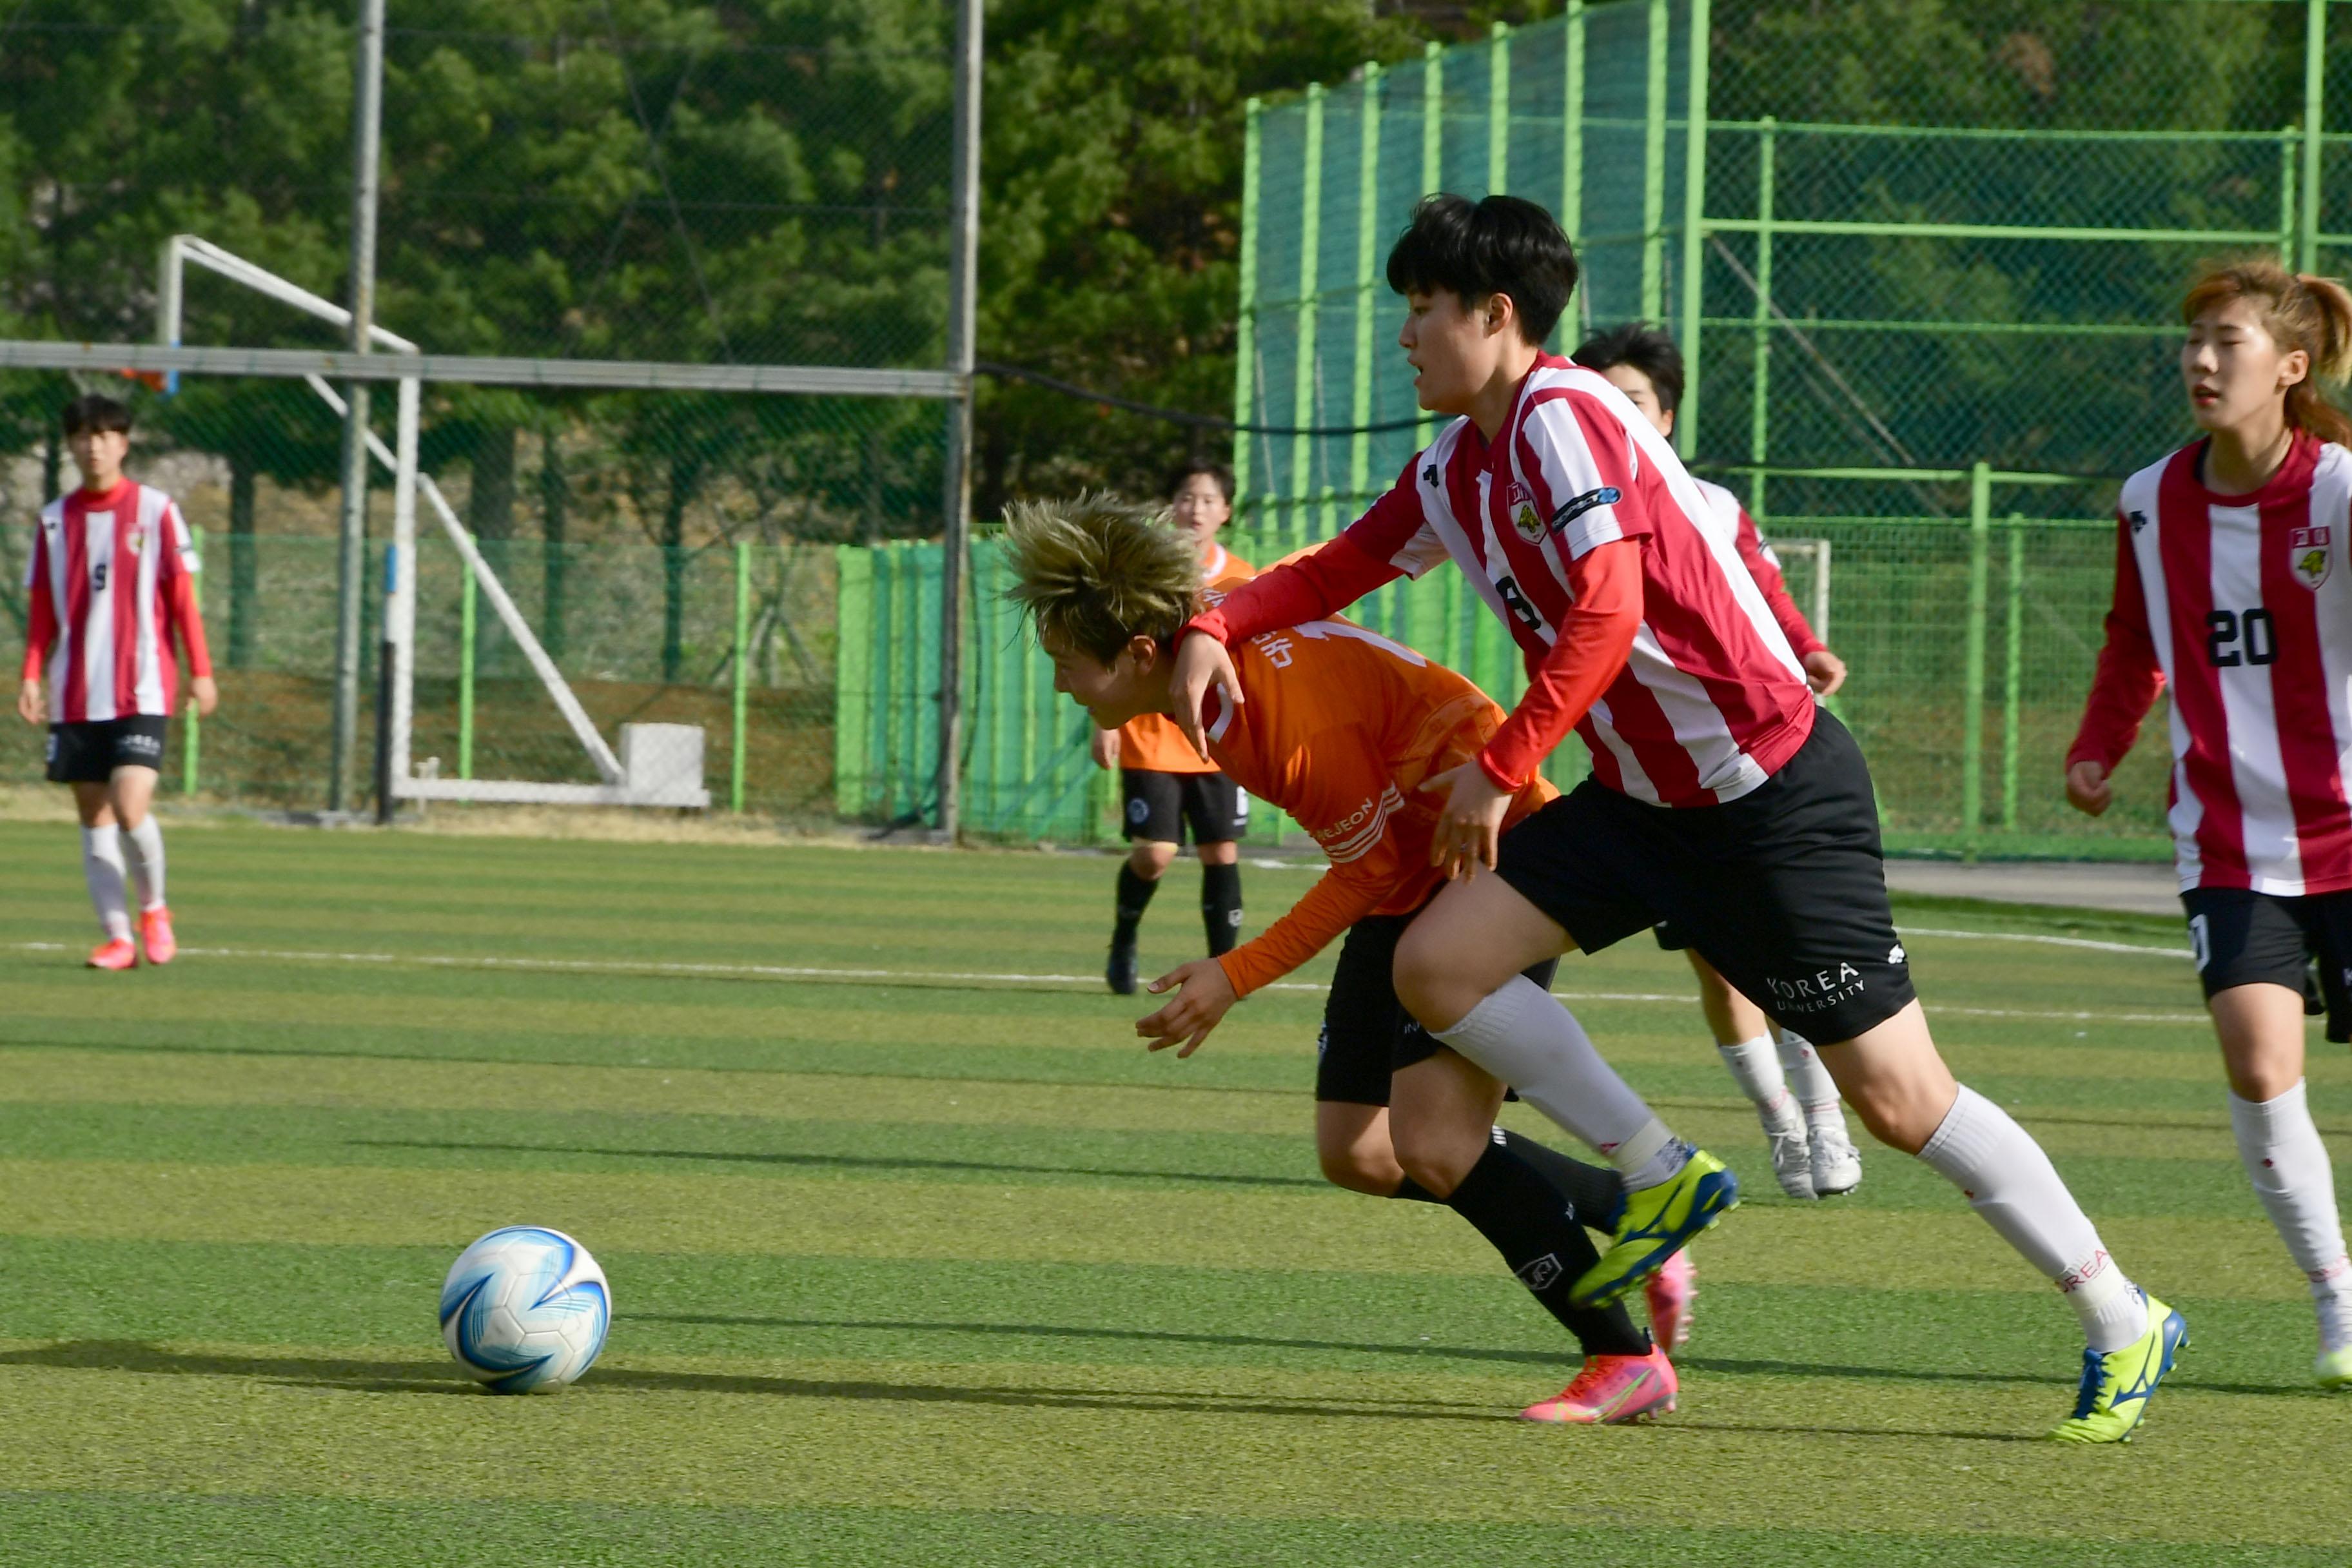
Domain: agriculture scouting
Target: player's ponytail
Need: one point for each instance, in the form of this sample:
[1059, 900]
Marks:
[2300, 311]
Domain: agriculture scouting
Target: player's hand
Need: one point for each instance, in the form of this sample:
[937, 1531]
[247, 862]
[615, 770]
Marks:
[207, 694]
[1825, 671]
[28, 701]
[2087, 790]
[1470, 828]
[1206, 997]
[1202, 662]
[1105, 748]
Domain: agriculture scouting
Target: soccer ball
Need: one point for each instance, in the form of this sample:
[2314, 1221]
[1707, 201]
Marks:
[525, 1309]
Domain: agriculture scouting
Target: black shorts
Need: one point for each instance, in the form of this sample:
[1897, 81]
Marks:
[88, 753]
[1366, 1033]
[1160, 806]
[1783, 890]
[2239, 937]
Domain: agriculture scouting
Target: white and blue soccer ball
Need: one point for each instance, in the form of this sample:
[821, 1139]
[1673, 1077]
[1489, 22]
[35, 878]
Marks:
[525, 1309]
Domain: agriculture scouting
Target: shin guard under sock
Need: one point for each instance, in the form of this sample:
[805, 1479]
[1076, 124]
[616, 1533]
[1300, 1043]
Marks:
[1516, 1209]
[1221, 906]
[1134, 897]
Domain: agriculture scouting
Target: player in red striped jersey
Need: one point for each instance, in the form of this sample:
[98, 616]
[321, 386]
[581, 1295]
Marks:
[1722, 798]
[1795, 1098]
[111, 590]
[2226, 588]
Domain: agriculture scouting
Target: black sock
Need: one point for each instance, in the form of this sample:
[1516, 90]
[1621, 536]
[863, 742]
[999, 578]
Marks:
[1134, 897]
[1221, 906]
[1595, 1195]
[1514, 1208]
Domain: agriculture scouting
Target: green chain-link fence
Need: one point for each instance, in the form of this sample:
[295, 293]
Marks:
[666, 180]
[1906, 240]
[1895, 242]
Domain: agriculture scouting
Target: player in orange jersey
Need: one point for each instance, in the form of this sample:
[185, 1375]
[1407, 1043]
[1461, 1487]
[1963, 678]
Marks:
[1164, 784]
[1339, 728]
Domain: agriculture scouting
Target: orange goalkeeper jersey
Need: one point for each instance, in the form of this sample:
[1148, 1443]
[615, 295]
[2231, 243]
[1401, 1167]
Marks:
[1339, 727]
[1152, 743]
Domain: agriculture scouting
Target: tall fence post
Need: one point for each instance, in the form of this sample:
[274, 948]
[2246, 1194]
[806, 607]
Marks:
[1572, 151]
[743, 669]
[190, 727]
[2315, 121]
[1302, 383]
[1498, 109]
[2288, 205]
[955, 496]
[1973, 696]
[1694, 228]
[2012, 680]
[466, 592]
[1368, 229]
[1760, 406]
[1246, 314]
[1432, 159]
[1654, 170]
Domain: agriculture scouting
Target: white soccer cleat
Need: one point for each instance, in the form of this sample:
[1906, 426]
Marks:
[1792, 1157]
[1836, 1163]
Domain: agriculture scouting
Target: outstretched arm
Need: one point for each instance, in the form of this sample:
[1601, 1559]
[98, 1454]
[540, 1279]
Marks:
[1326, 786]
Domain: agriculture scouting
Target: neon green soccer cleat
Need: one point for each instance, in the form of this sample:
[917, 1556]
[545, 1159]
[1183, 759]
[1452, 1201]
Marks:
[2335, 1368]
[2116, 1386]
[1657, 1222]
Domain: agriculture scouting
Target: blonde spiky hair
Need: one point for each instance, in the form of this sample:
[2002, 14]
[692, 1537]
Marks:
[1095, 572]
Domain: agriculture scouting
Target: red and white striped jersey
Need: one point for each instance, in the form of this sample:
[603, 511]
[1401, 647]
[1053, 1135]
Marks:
[1765, 567]
[1712, 699]
[2236, 602]
[110, 589]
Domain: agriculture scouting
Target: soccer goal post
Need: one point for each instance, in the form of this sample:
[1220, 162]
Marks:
[663, 768]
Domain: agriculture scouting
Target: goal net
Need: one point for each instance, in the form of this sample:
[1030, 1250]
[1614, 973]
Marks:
[655, 765]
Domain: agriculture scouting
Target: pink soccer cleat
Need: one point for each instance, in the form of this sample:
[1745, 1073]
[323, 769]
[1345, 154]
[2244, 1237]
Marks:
[114, 952]
[155, 935]
[1670, 1292]
[1613, 1390]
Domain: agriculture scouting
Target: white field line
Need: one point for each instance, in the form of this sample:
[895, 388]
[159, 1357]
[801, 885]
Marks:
[985, 977]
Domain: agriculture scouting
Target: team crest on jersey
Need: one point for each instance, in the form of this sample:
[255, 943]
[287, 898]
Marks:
[138, 540]
[2309, 555]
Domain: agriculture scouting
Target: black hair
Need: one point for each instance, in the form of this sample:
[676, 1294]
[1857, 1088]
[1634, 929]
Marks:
[1500, 244]
[94, 411]
[1183, 475]
[1647, 349]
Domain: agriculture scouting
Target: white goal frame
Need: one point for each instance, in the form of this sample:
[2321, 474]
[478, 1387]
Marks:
[650, 785]
[1816, 550]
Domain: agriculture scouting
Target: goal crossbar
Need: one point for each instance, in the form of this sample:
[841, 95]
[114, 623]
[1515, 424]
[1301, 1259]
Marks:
[623, 780]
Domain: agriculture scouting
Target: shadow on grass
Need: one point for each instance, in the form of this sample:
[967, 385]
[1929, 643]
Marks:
[1562, 1358]
[412, 1377]
[850, 1161]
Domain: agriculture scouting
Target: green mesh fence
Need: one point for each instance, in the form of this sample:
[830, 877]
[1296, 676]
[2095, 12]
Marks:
[668, 180]
[1894, 244]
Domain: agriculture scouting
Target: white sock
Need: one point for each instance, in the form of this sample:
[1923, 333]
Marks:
[101, 868]
[142, 846]
[2010, 1181]
[2288, 1165]
[1758, 1072]
[1808, 1080]
[1524, 1036]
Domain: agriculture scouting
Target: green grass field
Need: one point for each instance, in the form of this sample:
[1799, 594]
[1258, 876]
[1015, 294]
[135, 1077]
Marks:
[915, 1264]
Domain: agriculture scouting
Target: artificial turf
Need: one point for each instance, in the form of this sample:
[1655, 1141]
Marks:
[936, 1266]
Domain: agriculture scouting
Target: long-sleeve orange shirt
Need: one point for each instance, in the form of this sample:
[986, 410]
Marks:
[1339, 727]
